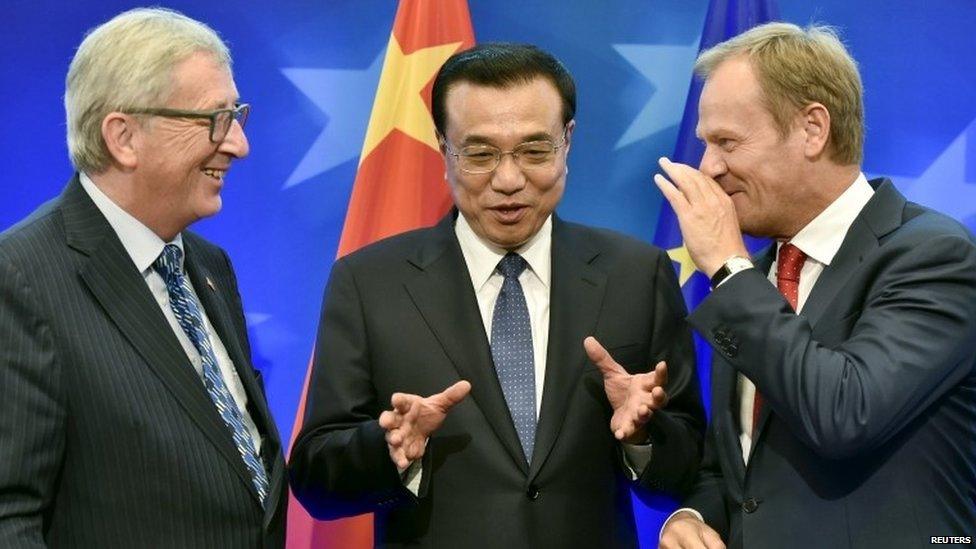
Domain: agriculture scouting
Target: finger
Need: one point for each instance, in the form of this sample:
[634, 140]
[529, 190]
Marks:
[389, 420]
[685, 178]
[401, 402]
[671, 193]
[601, 358]
[417, 449]
[394, 438]
[639, 419]
[661, 373]
[659, 398]
[452, 395]
[400, 459]
[624, 429]
[710, 538]
[646, 382]
[643, 412]
[696, 186]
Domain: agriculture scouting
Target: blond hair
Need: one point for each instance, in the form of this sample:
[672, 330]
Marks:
[126, 63]
[796, 67]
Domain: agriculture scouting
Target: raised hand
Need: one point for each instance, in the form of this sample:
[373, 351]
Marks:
[706, 215]
[413, 418]
[633, 397]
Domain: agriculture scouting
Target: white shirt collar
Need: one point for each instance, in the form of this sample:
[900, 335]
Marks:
[822, 237]
[482, 257]
[141, 243]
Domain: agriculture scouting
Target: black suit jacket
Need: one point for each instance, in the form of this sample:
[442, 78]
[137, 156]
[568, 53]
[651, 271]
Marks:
[868, 438]
[401, 315]
[107, 435]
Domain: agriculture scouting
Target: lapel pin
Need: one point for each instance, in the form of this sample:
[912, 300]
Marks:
[210, 283]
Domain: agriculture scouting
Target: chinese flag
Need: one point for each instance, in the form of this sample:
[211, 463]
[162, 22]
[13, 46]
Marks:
[399, 186]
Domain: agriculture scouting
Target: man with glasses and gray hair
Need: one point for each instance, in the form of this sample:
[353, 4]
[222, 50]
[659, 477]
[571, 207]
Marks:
[503, 378]
[130, 412]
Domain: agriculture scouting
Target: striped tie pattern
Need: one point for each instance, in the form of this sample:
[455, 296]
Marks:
[511, 350]
[184, 303]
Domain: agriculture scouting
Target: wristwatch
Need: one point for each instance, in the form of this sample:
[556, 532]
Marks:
[731, 266]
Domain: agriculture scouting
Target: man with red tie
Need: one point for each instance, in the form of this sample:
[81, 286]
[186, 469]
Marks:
[844, 387]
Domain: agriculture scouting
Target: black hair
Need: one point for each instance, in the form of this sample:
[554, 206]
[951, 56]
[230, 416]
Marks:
[501, 64]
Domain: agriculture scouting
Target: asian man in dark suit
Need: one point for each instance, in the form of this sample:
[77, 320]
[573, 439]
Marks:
[529, 436]
[130, 413]
[844, 382]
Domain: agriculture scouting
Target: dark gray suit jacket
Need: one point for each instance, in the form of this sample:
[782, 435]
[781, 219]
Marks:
[107, 435]
[868, 439]
[401, 315]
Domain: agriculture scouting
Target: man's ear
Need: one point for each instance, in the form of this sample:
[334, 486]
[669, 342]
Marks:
[816, 128]
[119, 132]
[570, 126]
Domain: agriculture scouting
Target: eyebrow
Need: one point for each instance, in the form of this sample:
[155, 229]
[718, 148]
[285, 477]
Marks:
[219, 104]
[483, 140]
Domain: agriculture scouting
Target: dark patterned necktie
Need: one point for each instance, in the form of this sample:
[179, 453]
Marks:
[511, 350]
[185, 306]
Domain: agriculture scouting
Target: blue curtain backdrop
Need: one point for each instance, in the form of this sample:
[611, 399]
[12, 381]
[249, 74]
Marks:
[310, 71]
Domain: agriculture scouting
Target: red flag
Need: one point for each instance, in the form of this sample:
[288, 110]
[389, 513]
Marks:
[399, 186]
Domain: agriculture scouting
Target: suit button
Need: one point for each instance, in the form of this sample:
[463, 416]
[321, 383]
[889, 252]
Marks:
[532, 493]
[750, 505]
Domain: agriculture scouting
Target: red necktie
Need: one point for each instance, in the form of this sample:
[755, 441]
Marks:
[788, 266]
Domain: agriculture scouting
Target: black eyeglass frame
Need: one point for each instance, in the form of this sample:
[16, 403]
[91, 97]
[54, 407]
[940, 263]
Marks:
[239, 112]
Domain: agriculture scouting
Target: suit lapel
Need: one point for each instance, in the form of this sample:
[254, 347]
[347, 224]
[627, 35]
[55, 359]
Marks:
[219, 314]
[443, 293]
[574, 305]
[122, 292]
[881, 215]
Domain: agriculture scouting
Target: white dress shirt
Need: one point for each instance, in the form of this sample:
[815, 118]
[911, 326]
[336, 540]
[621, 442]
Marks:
[143, 247]
[819, 240]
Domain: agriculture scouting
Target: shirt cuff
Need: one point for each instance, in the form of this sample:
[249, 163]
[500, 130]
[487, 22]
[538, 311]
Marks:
[411, 476]
[636, 458]
[671, 516]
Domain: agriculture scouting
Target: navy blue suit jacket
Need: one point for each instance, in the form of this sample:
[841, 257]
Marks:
[868, 438]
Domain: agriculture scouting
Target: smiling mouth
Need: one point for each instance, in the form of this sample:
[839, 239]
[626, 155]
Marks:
[214, 173]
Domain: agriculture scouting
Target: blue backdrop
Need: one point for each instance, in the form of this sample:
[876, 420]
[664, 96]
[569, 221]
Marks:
[310, 71]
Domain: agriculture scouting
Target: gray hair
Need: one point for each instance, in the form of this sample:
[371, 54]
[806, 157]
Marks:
[126, 63]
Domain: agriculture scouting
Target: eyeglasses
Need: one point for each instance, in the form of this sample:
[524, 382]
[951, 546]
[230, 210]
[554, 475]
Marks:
[220, 119]
[482, 159]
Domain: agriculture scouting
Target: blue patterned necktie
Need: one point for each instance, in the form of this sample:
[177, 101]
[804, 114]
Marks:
[184, 303]
[511, 350]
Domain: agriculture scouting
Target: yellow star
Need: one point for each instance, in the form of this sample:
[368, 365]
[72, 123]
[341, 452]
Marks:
[398, 103]
[688, 268]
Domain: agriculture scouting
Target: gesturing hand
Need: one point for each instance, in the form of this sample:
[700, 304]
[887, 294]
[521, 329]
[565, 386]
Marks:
[413, 418]
[706, 215]
[633, 397]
